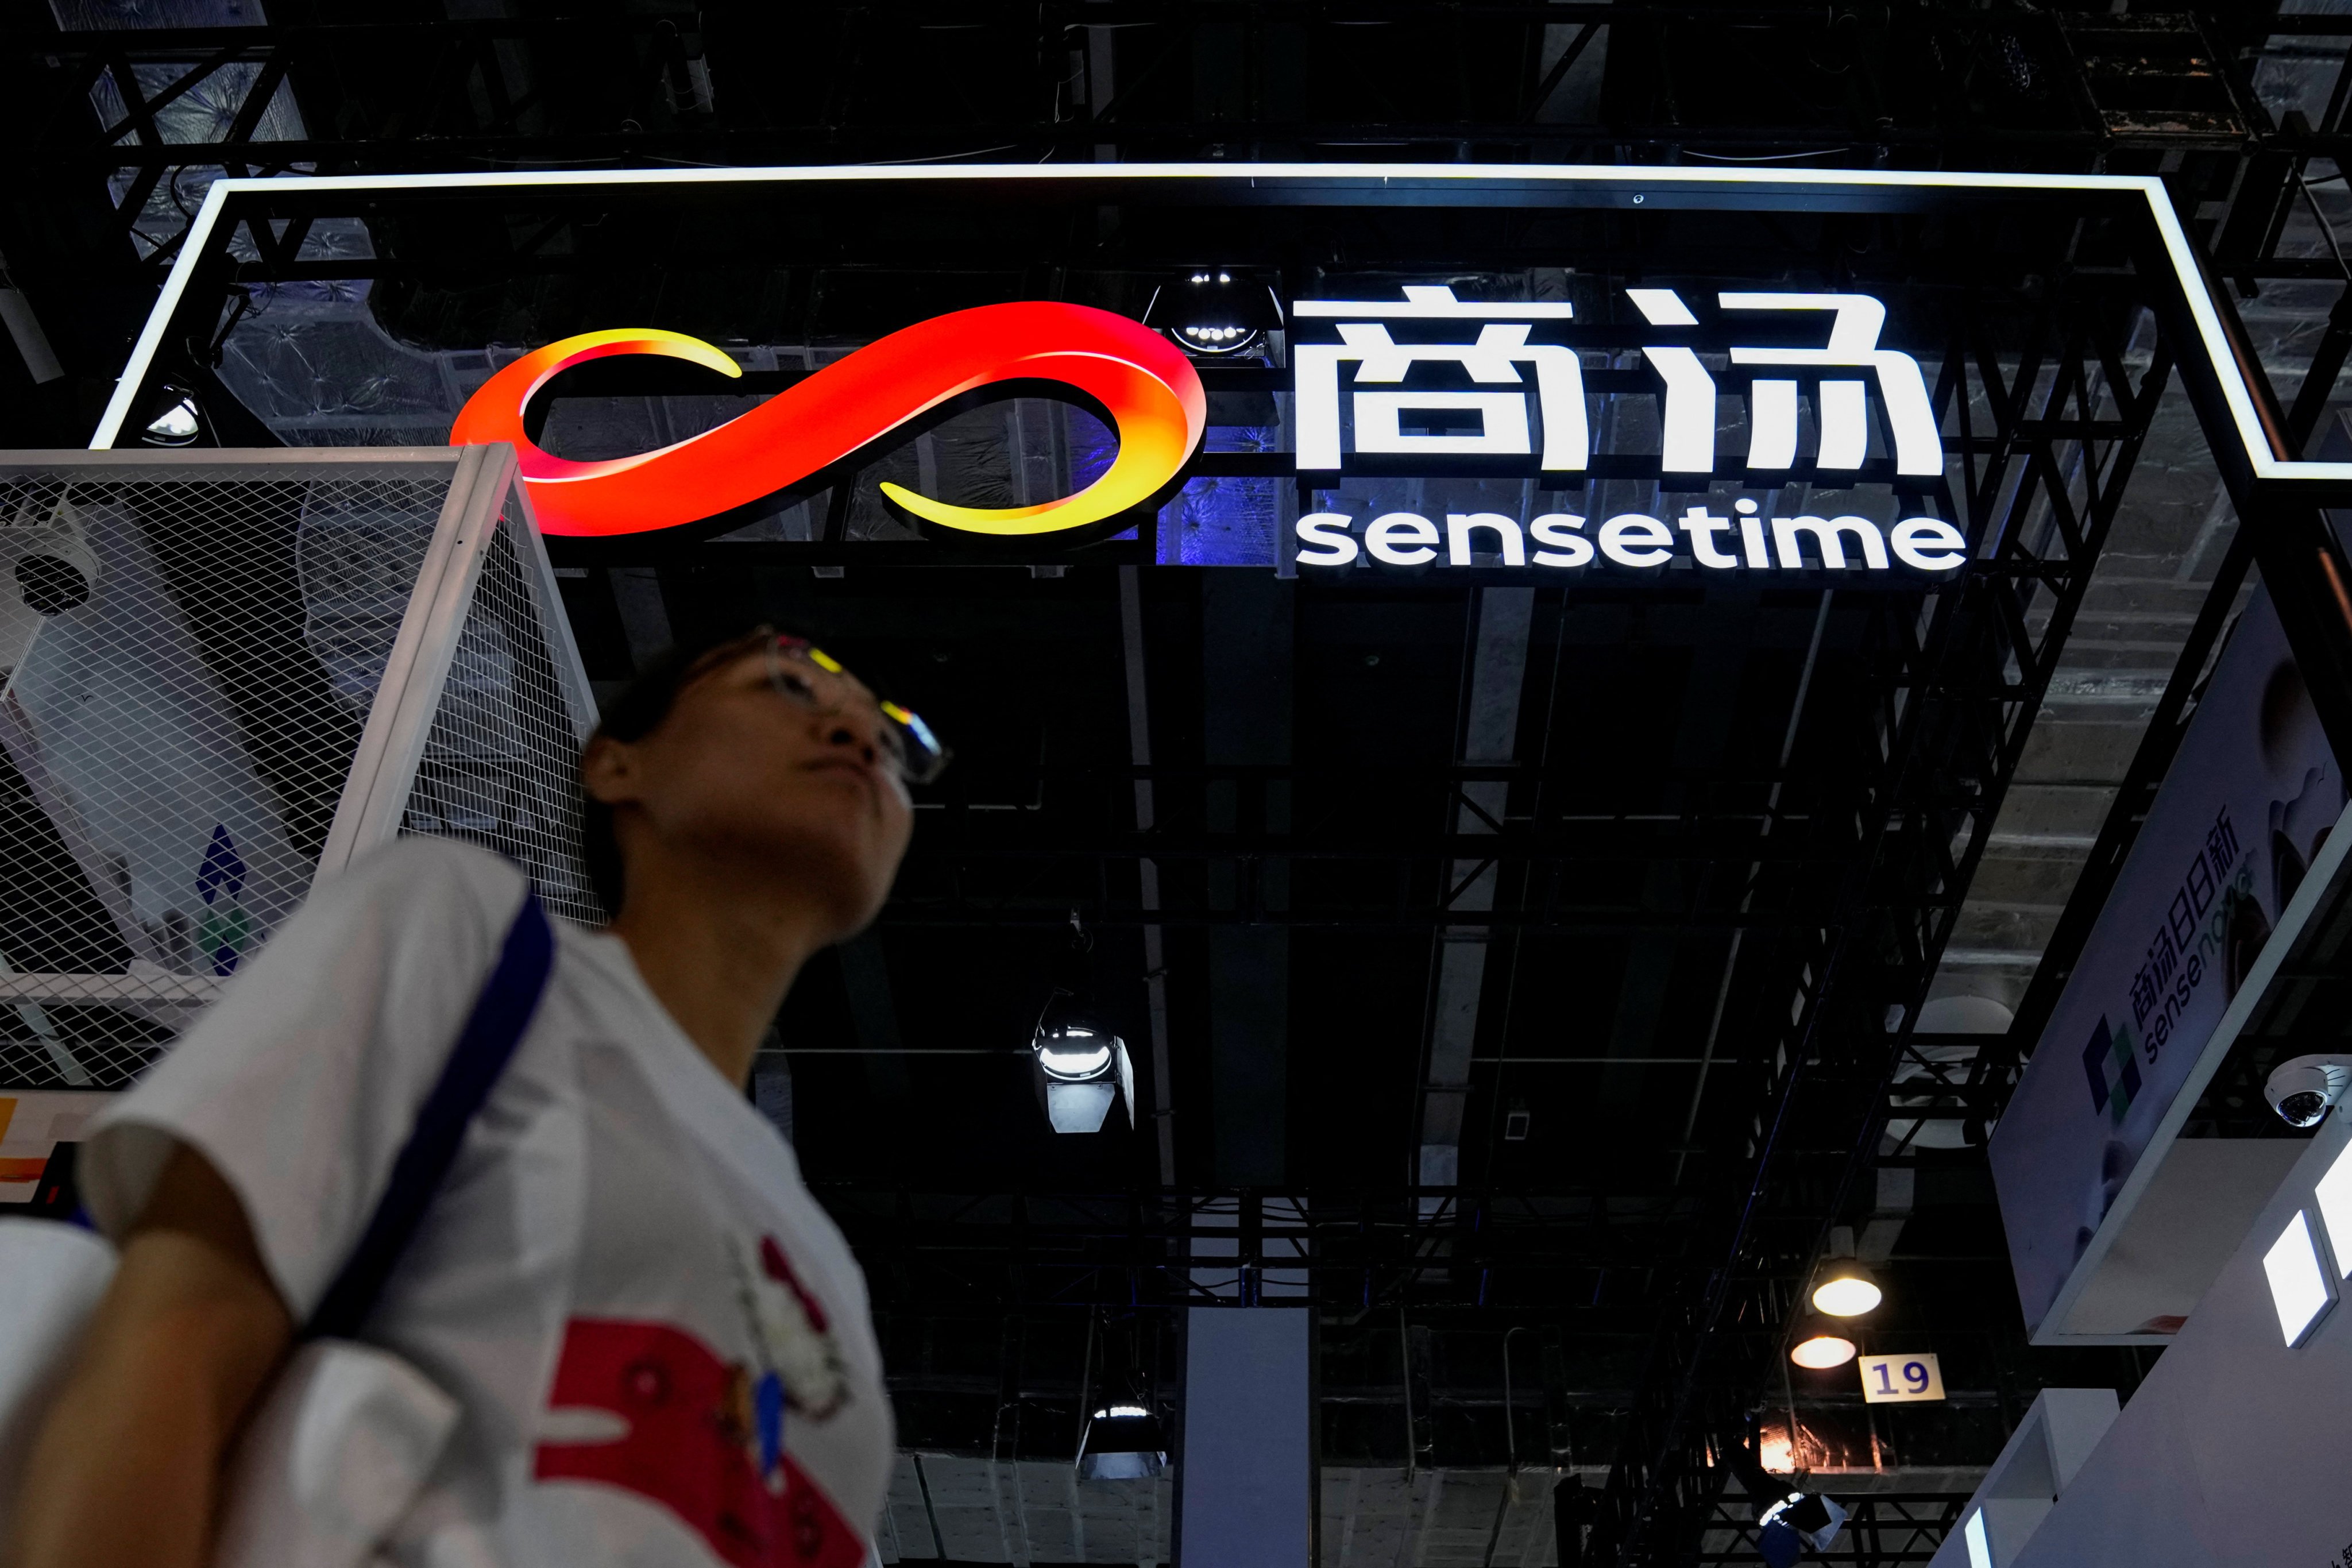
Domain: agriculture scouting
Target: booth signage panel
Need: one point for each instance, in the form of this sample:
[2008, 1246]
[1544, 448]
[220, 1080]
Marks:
[2245, 813]
[1507, 390]
[1509, 406]
[1513, 401]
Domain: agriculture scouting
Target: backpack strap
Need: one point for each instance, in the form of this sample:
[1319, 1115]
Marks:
[503, 1011]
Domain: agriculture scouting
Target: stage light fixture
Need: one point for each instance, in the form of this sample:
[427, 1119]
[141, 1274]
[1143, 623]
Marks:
[177, 424]
[1845, 1289]
[1082, 1065]
[47, 568]
[1082, 1069]
[1122, 1443]
[1797, 1522]
[1212, 313]
[1820, 1343]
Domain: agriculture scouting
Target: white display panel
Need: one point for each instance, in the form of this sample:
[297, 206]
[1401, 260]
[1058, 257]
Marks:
[2106, 1246]
[2231, 1455]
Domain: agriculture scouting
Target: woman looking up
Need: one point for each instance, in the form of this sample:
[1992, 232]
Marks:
[658, 1344]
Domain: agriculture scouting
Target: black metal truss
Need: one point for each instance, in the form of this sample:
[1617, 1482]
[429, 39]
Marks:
[1953, 728]
[1885, 1528]
[1193, 78]
[2275, 538]
[2015, 85]
[1248, 77]
[1429, 1250]
[1063, 841]
[1982, 1088]
[2243, 249]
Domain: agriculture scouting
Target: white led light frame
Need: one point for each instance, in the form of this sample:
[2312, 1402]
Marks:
[2266, 462]
[2301, 1289]
[1979, 1548]
[2332, 1196]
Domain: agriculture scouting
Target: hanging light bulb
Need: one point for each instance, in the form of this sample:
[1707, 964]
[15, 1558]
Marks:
[1075, 1054]
[1845, 1289]
[1083, 1067]
[1213, 314]
[177, 424]
[1820, 1343]
[1083, 1070]
[1123, 1442]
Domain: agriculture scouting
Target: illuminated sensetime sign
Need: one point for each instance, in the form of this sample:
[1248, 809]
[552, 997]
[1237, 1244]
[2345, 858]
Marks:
[1562, 541]
[1425, 379]
[1381, 362]
[1501, 356]
[1524, 399]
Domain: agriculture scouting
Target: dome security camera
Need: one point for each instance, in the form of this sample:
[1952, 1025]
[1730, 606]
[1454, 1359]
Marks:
[2301, 1091]
[47, 568]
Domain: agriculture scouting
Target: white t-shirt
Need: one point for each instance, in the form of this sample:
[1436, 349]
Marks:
[660, 1344]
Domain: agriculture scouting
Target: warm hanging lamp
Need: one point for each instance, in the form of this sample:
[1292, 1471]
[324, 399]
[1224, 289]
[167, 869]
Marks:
[1819, 1342]
[1845, 1289]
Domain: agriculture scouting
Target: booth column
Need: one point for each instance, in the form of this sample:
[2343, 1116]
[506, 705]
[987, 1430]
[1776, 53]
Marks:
[1247, 1481]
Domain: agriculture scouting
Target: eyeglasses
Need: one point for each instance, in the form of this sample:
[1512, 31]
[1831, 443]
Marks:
[814, 678]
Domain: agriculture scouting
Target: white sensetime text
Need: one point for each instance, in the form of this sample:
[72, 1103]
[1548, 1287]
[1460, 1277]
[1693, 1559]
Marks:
[1742, 539]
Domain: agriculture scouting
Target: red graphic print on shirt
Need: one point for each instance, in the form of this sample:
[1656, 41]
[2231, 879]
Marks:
[691, 1446]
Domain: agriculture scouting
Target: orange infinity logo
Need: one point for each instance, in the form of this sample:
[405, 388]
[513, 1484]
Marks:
[1146, 385]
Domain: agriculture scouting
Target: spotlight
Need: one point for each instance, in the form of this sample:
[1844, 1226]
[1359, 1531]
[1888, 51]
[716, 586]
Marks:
[1798, 1521]
[47, 568]
[1846, 1289]
[1081, 1067]
[1213, 314]
[2302, 1091]
[1122, 1443]
[178, 424]
[1820, 1343]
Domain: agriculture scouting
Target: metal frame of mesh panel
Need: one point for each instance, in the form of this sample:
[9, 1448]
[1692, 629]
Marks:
[229, 673]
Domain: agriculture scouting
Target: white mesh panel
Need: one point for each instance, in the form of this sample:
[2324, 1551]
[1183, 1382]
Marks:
[192, 653]
[501, 761]
[194, 650]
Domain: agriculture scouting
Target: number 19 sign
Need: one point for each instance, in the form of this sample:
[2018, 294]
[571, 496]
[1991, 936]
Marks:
[1900, 1378]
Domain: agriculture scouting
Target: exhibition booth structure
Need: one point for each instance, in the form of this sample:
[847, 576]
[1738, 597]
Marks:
[2231, 1452]
[230, 671]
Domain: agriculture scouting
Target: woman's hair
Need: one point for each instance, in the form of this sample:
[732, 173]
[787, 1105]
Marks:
[636, 712]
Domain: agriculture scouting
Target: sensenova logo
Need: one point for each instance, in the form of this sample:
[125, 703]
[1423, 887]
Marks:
[2109, 1060]
[1140, 382]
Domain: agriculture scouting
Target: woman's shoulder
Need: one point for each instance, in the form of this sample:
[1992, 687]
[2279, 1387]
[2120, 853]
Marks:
[437, 902]
[443, 875]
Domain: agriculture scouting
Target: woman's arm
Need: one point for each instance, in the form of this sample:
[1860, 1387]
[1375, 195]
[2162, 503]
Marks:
[126, 1473]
